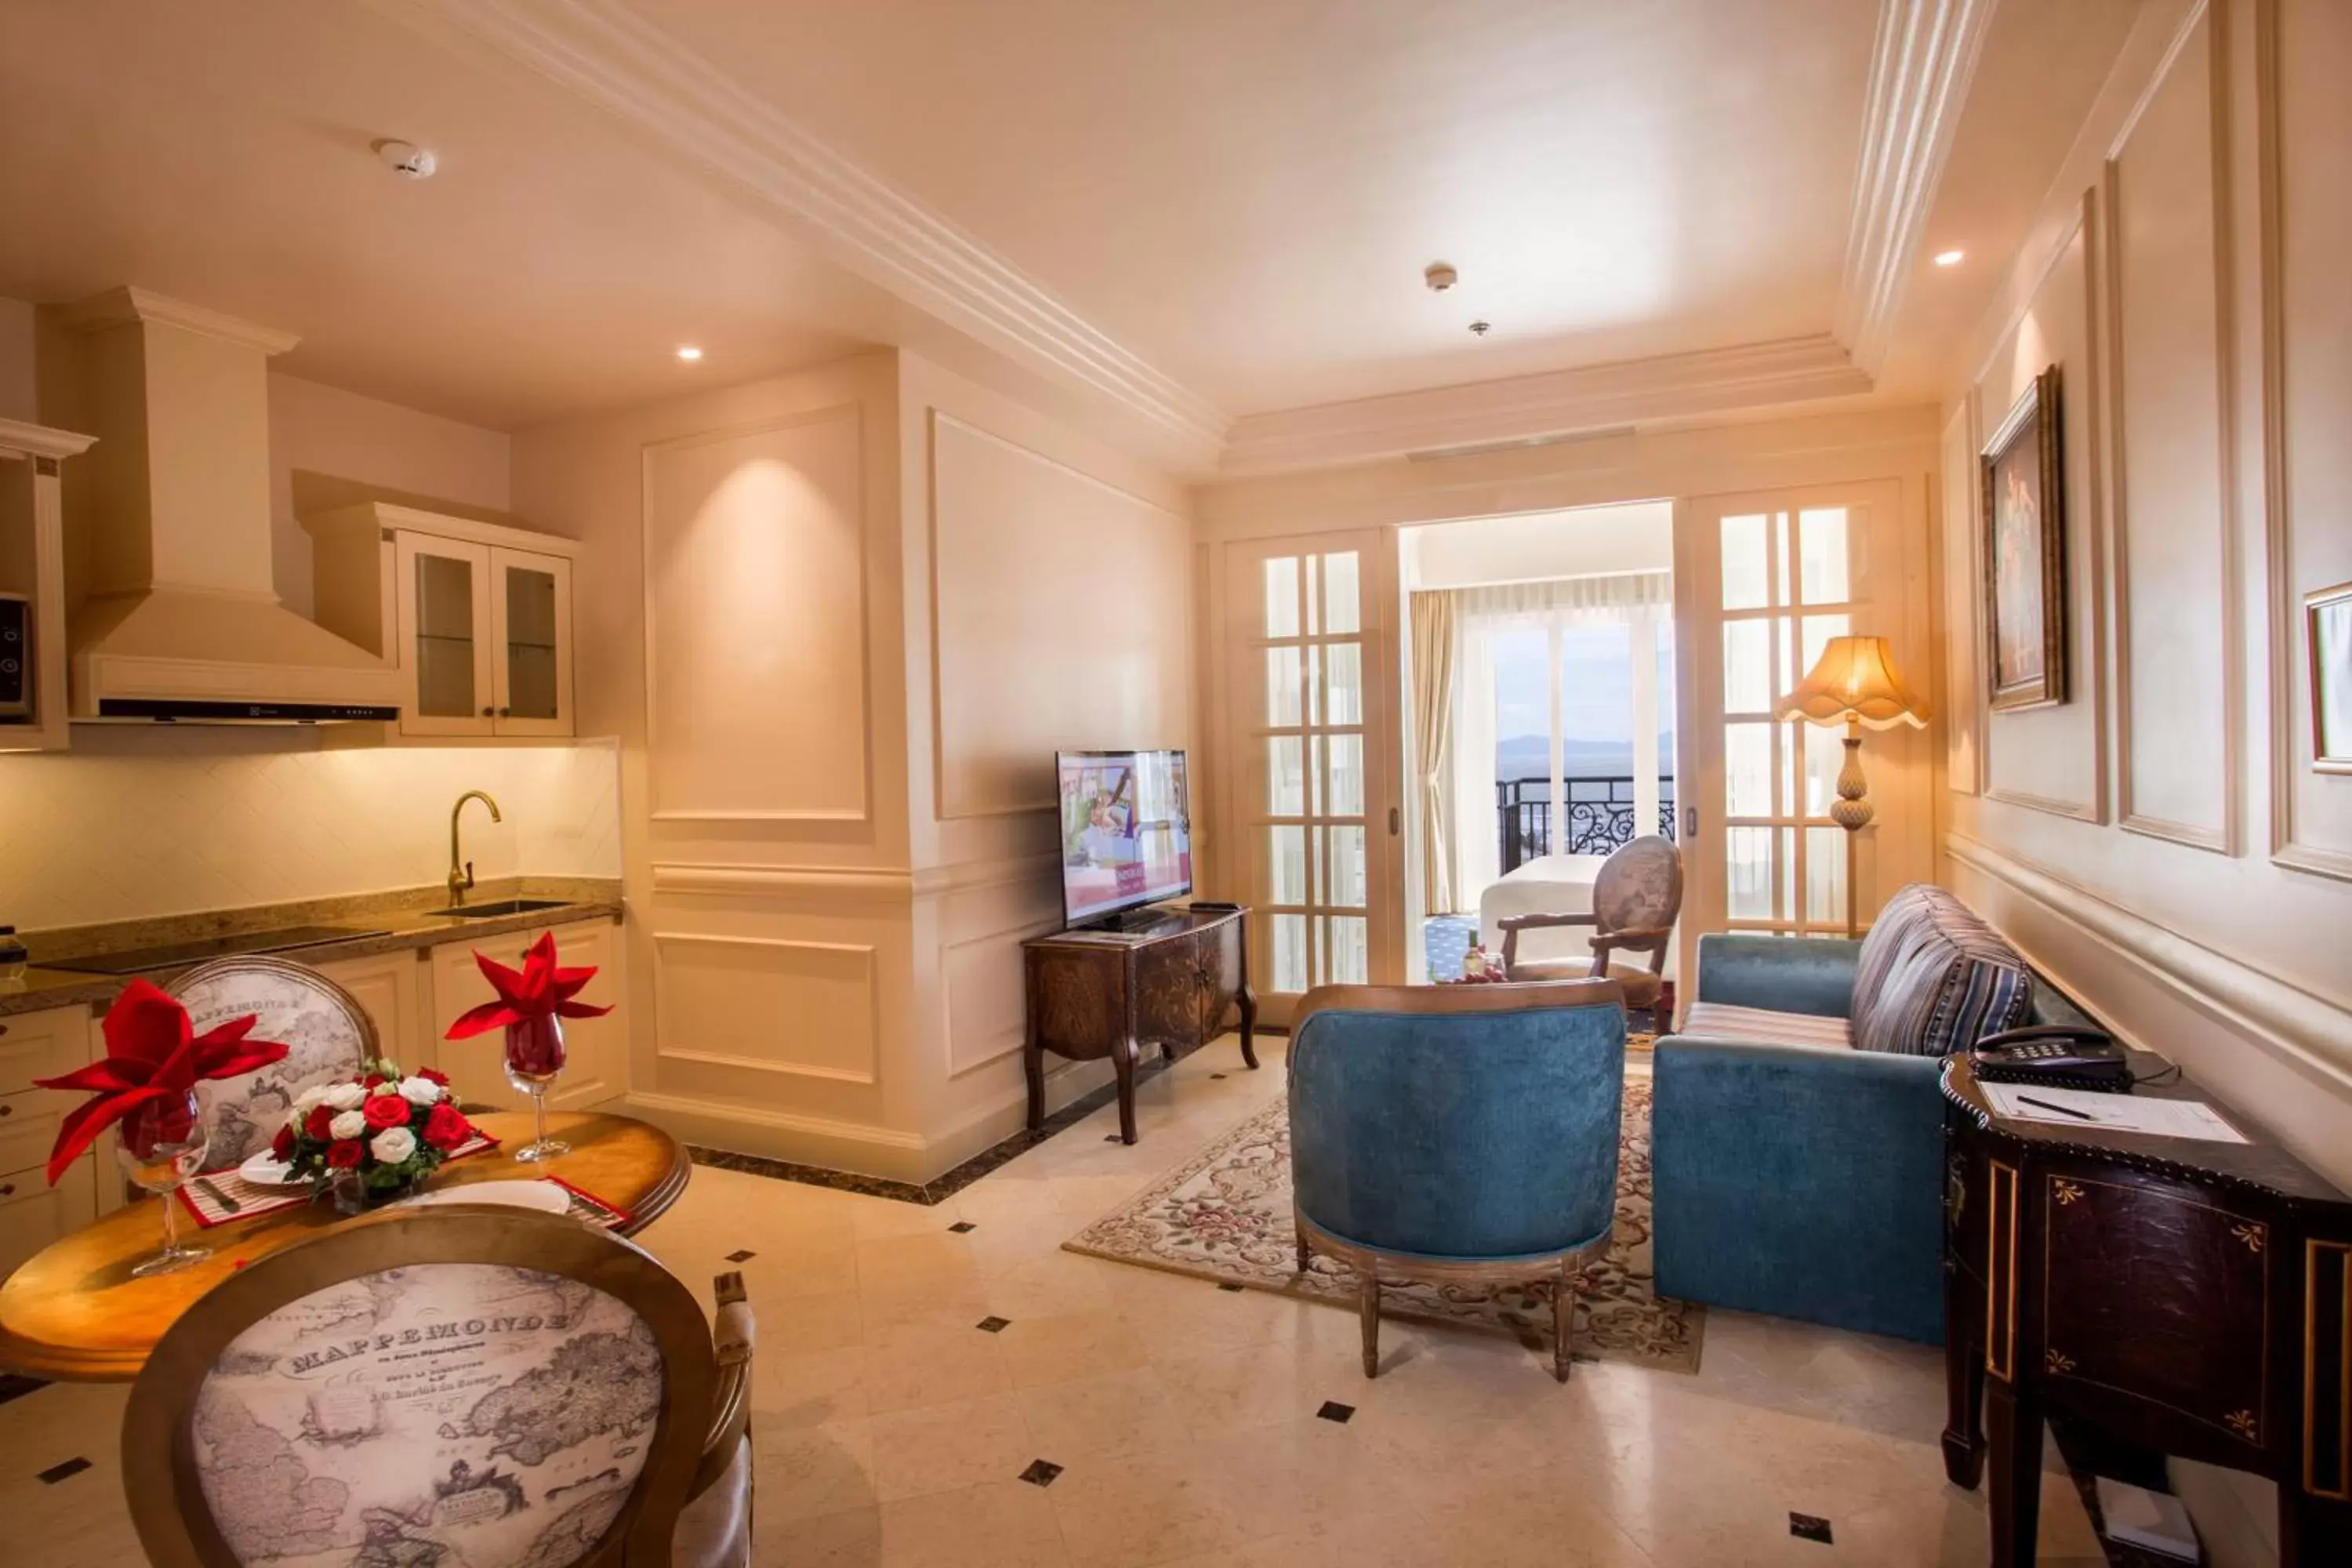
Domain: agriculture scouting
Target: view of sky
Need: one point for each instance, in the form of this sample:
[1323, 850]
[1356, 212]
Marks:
[1596, 702]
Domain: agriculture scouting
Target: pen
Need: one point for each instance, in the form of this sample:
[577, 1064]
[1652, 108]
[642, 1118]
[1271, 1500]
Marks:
[2061, 1109]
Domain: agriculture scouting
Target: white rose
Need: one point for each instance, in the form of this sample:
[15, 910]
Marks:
[420, 1091]
[350, 1124]
[306, 1101]
[393, 1145]
[344, 1097]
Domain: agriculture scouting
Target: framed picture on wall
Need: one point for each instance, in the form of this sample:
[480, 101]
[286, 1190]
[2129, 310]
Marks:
[2025, 553]
[2327, 623]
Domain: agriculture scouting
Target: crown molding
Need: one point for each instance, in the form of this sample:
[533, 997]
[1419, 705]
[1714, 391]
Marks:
[1549, 404]
[119, 306]
[19, 441]
[607, 54]
[1920, 68]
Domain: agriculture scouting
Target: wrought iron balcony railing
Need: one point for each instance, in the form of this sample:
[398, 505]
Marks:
[1600, 817]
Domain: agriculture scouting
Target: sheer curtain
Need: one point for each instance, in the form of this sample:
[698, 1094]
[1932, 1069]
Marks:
[1640, 601]
[1432, 698]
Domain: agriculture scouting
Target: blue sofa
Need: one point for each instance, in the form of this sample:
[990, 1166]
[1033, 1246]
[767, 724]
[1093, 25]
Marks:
[1796, 1135]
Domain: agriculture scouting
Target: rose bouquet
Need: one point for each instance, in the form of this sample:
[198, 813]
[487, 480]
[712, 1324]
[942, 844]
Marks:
[371, 1138]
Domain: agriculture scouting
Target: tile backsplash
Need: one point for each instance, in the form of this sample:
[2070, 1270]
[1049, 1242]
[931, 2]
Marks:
[135, 823]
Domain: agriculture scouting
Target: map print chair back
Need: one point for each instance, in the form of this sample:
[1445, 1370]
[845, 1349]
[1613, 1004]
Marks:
[456, 1387]
[327, 1034]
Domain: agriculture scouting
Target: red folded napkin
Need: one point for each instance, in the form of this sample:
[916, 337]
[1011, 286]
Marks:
[152, 1052]
[539, 990]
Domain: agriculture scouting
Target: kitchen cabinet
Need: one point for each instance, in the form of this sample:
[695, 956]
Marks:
[478, 616]
[596, 1049]
[34, 1214]
[32, 568]
[390, 989]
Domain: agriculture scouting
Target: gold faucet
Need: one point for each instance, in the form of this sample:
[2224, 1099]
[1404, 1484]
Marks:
[461, 871]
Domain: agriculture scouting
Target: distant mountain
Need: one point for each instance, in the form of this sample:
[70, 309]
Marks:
[1529, 757]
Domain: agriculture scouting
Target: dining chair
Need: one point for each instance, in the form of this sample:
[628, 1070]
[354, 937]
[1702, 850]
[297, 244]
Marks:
[1636, 897]
[495, 1387]
[327, 1032]
[1461, 1136]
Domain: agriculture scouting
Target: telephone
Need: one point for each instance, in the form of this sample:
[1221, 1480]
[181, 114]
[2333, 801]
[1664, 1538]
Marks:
[2075, 1056]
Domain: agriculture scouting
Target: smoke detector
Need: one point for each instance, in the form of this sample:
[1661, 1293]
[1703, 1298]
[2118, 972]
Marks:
[1440, 275]
[406, 159]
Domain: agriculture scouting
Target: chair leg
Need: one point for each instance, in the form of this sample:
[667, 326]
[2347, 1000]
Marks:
[1304, 1256]
[1563, 1321]
[1371, 1309]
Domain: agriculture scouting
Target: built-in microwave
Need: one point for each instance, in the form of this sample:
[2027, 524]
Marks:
[15, 657]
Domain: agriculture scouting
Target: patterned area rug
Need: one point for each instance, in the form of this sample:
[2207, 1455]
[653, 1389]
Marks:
[1224, 1214]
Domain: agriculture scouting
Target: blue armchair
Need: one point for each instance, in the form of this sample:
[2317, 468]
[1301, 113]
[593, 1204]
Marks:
[1457, 1134]
[1797, 1125]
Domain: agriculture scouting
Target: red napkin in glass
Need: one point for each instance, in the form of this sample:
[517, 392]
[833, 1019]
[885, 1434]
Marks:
[539, 990]
[152, 1050]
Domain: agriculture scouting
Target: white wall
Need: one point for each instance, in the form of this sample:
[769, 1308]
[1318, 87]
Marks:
[1587, 541]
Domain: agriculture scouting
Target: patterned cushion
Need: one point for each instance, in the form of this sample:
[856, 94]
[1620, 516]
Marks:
[1932, 978]
[1722, 1021]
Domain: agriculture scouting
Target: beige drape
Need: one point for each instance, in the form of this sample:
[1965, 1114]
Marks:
[1433, 709]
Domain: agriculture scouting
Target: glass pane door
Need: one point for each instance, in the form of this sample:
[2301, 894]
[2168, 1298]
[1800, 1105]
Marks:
[532, 621]
[1316, 748]
[444, 635]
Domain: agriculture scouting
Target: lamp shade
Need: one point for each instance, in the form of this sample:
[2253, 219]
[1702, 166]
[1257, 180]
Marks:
[1855, 678]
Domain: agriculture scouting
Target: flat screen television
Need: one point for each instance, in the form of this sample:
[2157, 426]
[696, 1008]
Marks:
[1127, 831]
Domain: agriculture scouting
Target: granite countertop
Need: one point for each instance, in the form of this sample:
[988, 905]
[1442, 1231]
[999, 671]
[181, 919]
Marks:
[380, 922]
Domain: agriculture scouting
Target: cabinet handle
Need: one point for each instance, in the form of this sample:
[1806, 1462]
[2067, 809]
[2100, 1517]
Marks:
[7, 1189]
[488, 711]
[7, 1110]
[505, 712]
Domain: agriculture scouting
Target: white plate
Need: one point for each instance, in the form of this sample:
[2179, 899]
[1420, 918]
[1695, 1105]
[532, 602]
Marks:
[545, 1196]
[263, 1170]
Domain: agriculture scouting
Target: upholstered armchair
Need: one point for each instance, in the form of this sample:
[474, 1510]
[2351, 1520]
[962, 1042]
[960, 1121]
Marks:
[474, 1384]
[1458, 1135]
[1636, 898]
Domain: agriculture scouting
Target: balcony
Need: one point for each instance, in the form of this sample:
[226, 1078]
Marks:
[1600, 817]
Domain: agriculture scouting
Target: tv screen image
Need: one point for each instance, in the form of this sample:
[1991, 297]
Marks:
[1127, 831]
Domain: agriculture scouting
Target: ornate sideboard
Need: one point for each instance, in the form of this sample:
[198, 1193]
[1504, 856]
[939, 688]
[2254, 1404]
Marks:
[1168, 982]
[2188, 1297]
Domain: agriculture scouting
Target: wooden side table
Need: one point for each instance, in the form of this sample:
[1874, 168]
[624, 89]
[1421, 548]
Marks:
[2188, 1297]
[1170, 980]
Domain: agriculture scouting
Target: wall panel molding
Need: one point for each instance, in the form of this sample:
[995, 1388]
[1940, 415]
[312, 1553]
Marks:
[1925, 57]
[2308, 1029]
[862, 743]
[1963, 641]
[832, 883]
[858, 1065]
[1001, 1039]
[2115, 323]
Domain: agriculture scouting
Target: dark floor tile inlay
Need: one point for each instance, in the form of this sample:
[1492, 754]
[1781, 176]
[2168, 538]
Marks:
[1334, 1410]
[1041, 1472]
[57, 1473]
[961, 1225]
[993, 1325]
[1218, 1075]
[1235, 1288]
[742, 1256]
[1809, 1527]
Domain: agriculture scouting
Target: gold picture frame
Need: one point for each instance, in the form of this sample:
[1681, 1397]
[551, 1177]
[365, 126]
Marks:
[2327, 643]
[2023, 490]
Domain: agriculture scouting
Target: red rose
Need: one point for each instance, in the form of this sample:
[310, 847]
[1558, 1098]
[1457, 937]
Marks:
[384, 1110]
[445, 1129]
[322, 1119]
[283, 1146]
[343, 1154]
[375, 1080]
[434, 1075]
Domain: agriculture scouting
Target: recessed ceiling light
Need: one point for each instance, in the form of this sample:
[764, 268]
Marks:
[1950, 258]
[689, 352]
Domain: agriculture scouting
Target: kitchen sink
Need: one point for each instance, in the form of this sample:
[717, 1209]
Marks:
[503, 907]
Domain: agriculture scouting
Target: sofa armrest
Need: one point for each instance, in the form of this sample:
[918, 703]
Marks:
[1802, 1183]
[1780, 974]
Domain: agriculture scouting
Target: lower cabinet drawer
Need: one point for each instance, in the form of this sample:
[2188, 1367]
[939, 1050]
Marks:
[28, 1126]
[34, 1214]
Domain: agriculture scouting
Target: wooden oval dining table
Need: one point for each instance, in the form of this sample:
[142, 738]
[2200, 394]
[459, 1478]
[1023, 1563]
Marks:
[73, 1312]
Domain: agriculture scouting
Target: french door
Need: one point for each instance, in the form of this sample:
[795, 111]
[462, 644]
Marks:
[1311, 705]
[1761, 583]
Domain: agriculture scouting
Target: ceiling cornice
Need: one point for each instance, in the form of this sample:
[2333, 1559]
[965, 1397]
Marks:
[1524, 407]
[606, 53]
[1919, 72]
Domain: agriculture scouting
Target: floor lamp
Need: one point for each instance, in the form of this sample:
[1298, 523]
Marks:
[1855, 682]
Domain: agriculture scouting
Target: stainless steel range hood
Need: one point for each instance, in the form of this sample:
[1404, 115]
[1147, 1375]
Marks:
[180, 620]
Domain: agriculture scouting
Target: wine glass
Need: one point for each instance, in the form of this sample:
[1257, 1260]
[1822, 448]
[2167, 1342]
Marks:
[160, 1145]
[534, 1057]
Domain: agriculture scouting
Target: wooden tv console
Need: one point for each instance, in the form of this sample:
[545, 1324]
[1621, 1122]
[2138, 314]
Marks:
[1169, 981]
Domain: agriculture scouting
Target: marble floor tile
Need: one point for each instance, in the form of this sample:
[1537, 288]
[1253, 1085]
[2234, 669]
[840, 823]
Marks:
[890, 1428]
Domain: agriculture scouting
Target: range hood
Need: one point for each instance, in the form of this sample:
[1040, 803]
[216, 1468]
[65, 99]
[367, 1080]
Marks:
[180, 620]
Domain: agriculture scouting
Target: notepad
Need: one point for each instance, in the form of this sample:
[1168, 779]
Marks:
[2111, 1112]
